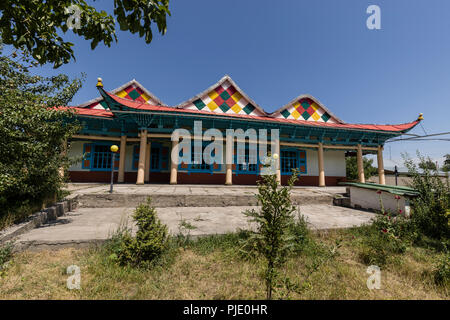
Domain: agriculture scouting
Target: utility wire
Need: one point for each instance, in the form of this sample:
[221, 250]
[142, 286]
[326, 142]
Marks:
[422, 128]
[416, 138]
[412, 140]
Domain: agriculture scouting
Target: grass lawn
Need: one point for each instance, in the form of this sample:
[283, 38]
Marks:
[211, 268]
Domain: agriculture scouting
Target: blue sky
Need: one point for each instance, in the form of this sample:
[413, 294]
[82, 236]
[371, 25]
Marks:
[277, 50]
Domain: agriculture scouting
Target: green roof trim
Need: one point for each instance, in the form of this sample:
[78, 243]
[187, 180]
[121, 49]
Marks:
[401, 191]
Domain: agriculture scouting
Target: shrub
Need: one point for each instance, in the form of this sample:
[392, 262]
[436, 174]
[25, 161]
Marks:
[5, 255]
[150, 242]
[429, 209]
[378, 248]
[442, 271]
[386, 236]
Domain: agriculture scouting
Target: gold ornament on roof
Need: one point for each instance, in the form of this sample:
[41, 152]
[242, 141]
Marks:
[99, 82]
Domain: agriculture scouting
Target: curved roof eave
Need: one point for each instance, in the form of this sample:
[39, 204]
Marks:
[118, 89]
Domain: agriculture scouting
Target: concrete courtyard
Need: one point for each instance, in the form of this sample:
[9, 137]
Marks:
[94, 222]
[89, 225]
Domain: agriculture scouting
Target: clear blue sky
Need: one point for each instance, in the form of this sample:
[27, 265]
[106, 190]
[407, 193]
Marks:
[276, 50]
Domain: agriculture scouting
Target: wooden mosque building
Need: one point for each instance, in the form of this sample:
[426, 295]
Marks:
[311, 138]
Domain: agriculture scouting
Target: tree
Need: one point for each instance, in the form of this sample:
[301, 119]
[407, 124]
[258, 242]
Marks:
[33, 131]
[446, 166]
[352, 168]
[427, 164]
[36, 25]
[274, 220]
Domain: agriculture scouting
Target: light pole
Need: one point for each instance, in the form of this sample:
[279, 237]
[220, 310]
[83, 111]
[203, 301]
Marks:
[396, 175]
[114, 150]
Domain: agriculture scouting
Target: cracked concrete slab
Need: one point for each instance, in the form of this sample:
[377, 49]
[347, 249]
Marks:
[94, 225]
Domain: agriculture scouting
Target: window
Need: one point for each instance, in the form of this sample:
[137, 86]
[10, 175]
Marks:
[196, 164]
[136, 157]
[101, 157]
[246, 162]
[98, 157]
[154, 159]
[293, 159]
[159, 157]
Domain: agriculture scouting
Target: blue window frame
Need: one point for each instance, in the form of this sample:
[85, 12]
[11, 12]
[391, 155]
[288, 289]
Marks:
[155, 158]
[293, 159]
[159, 157]
[98, 157]
[196, 165]
[247, 162]
[135, 157]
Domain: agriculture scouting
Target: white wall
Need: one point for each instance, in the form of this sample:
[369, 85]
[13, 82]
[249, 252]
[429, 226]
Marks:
[334, 163]
[312, 162]
[369, 199]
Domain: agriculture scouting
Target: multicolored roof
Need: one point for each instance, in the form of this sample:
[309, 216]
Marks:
[226, 99]
[306, 108]
[132, 90]
[398, 128]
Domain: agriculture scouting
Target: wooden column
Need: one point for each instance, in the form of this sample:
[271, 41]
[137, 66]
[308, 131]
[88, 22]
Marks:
[142, 152]
[277, 151]
[229, 160]
[63, 153]
[321, 165]
[123, 152]
[381, 177]
[360, 162]
[174, 162]
[147, 162]
[229, 174]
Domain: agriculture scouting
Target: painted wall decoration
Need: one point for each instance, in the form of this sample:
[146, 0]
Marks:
[224, 98]
[306, 109]
[135, 93]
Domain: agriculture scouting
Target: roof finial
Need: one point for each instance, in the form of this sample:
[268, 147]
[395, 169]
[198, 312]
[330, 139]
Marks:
[99, 82]
[420, 118]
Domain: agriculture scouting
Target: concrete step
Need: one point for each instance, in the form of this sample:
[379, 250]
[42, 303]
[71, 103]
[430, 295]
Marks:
[106, 200]
[45, 216]
[342, 200]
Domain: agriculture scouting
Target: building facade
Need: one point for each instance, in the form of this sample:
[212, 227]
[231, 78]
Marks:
[311, 138]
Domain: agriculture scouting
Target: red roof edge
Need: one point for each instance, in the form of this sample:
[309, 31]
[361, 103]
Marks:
[398, 128]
